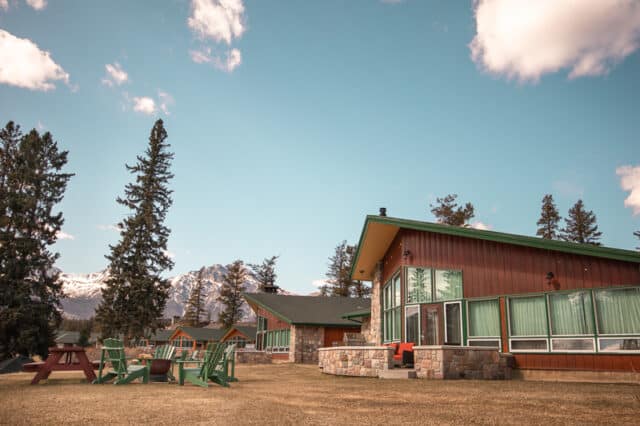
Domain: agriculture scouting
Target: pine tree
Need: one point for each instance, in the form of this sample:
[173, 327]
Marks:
[580, 226]
[135, 295]
[265, 273]
[549, 218]
[233, 282]
[339, 282]
[637, 234]
[195, 305]
[31, 185]
[447, 211]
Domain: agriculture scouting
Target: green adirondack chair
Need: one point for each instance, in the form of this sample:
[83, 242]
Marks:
[229, 360]
[200, 375]
[162, 362]
[113, 352]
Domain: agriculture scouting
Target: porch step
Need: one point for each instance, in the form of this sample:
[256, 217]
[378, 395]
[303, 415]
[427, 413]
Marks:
[398, 373]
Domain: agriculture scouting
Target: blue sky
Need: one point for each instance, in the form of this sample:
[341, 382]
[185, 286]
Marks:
[291, 121]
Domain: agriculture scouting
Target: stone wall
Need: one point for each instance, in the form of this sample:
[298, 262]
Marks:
[374, 331]
[361, 361]
[455, 362]
[304, 343]
[244, 356]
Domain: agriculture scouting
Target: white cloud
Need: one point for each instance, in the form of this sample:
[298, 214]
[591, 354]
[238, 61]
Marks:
[144, 104]
[481, 226]
[169, 254]
[4, 5]
[319, 283]
[165, 100]
[37, 4]
[115, 228]
[630, 181]
[115, 75]
[525, 39]
[23, 64]
[219, 20]
[229, 62]
[61, 235]
[201, 56]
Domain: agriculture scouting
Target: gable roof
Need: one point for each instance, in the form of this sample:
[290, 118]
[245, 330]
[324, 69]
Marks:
[379, 231]
[201, 334]
[309, 310]
[246, 330]
[161, 335]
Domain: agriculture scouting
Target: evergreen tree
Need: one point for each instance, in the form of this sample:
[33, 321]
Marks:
[195, 305]
[637, 234]
[265, 273]
[233, 282]
[135, 295]
[549, 218]
[580, 226]
[339, 282]
[31, 185]
[447, 211]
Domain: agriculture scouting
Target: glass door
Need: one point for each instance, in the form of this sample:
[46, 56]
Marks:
[453, 323]
[430, 325]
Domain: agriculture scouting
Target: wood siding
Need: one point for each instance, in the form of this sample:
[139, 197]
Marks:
[273, 322]
[336, 334]
[577, 362]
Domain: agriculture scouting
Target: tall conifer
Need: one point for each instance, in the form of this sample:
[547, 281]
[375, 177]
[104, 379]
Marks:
[195, 305]
[339, 282]
[265, 273]
[580, 226]
[447, 211]
[31, 185]
[233, 283]
[135, 295]
[549, 219]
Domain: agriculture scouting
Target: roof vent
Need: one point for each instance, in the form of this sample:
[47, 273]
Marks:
[383, 211]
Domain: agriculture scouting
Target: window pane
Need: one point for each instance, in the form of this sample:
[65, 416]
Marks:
[572, 345]
[618, 311]
[532, 345]
[614, 345]
[396, 291]
[396, 324]
[418, 285]
[485, 343]
[528, 316]
[571, 313]
[448, 285]
[484, 318]
[452, 323]
[412, 319]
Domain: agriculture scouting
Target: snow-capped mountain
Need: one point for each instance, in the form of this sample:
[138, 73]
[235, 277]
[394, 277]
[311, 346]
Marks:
[83, 292]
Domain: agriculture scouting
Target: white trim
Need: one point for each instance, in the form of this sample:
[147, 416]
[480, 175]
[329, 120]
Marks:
[568, 351]
[545, 340]
[621, 351]
[490, 339]
[444, 308]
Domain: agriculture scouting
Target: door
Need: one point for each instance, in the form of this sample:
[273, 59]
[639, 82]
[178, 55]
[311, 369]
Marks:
[453, 323]
[430, 324]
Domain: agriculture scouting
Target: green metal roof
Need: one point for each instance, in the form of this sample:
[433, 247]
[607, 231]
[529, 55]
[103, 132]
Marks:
[309, 310]
[247, 330]
[161, 335]
[357, 314]
[499, 237]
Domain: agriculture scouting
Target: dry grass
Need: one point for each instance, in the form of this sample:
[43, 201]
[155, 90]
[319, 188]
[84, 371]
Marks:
[297, 394]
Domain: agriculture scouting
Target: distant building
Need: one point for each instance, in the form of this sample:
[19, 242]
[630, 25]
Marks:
[241, 335]
[294, 327]
[192, 338]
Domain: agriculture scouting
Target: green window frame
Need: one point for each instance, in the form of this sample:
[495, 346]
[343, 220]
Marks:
[483, 323]
[419, 285]
[392, 307]
[427, 285]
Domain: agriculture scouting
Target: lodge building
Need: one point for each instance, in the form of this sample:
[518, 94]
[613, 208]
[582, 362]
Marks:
[554, 305]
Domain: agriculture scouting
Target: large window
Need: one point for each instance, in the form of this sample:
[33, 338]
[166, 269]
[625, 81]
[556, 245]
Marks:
[430, 285]
[618, 319]
[392, 309]
[277, 340]
[261, 342]
[528, 323]
[483, 323]
[412, 324]
[571, 316]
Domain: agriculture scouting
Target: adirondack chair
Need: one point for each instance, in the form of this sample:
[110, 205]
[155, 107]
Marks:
[113, 352]
[162, 361]
[200, 375]
[230, 360]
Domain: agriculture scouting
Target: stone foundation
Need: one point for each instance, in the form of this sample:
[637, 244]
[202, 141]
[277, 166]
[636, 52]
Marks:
[252, 357]
[361, 361]
[304, 343]
[461, 362]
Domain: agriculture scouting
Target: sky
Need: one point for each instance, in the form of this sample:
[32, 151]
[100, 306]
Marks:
[291, 121]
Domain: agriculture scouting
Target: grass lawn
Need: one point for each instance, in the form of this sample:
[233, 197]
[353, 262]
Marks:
[300, 394]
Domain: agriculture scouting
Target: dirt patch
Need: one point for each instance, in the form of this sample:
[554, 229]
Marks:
[300, 394]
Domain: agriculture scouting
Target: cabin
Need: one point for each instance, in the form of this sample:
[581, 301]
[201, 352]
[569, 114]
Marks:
[292, 328]
[159, 338]
[241, 335]
[553, 305]
[192, 338]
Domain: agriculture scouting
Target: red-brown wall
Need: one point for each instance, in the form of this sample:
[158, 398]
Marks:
[273, 322]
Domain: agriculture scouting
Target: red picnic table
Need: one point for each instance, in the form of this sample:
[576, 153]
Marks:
[81, 363]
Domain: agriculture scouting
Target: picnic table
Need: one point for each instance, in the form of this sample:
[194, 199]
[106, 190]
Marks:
[81, 363]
